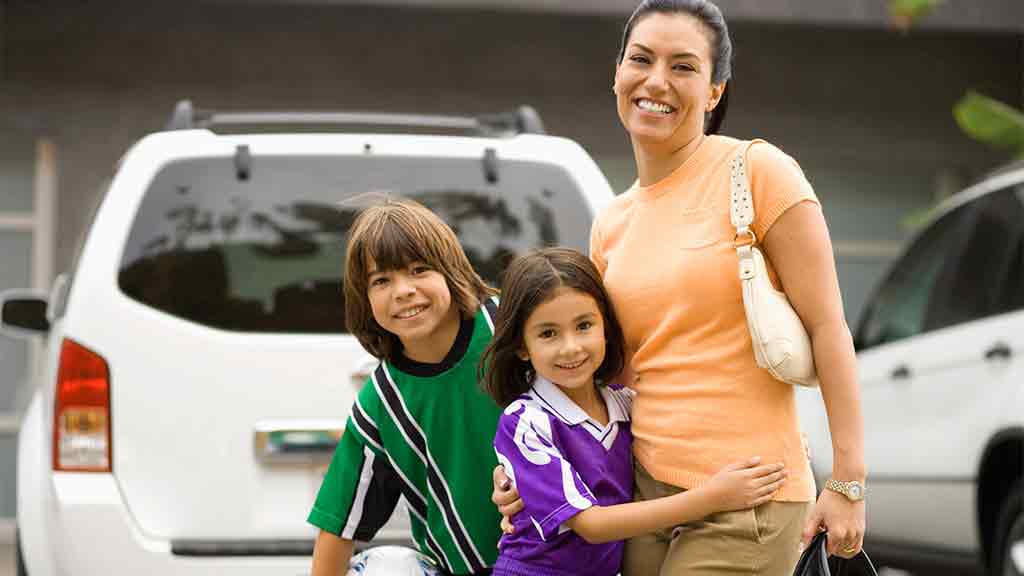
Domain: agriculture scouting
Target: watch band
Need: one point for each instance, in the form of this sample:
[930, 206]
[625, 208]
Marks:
[853, 489]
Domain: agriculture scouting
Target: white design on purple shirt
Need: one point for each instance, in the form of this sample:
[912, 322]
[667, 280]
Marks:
[563, 462]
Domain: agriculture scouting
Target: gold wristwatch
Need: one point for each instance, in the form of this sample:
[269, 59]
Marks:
[853, 489]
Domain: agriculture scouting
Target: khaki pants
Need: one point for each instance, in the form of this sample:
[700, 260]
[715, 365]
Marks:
[763, 541]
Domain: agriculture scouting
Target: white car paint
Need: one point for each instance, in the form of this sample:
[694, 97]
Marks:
[187, 399]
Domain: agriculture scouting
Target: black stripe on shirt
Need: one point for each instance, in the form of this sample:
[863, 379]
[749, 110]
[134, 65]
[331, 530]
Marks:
[389, 393]
[369, 430]
[379, 501]
[417, 504]
[491, 310]
[366, 426]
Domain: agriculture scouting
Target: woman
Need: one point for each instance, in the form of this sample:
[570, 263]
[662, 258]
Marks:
[666, 252]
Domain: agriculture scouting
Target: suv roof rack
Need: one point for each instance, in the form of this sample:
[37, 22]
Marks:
[522, 120]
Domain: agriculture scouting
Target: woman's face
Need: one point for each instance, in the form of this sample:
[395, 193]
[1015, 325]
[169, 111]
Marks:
[663, 84]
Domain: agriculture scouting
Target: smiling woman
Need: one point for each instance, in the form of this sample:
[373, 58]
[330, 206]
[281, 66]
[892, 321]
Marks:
[701, 399]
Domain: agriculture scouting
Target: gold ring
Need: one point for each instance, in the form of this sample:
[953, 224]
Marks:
[850, 549]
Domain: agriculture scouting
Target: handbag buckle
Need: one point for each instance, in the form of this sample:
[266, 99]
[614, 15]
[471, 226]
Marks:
[744, 237]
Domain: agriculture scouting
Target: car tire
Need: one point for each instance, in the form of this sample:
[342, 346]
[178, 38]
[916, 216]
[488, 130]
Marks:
[1009, 561]
[19, 562]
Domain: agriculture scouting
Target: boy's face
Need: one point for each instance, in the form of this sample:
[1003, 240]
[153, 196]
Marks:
[414, 304]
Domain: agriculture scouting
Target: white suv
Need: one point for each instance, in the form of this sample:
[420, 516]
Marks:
[941, 363]
[198, 371]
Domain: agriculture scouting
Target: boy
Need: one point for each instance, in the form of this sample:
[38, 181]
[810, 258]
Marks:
[420, 427]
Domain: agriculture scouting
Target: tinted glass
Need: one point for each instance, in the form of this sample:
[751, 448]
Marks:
[899, 308]
[971, 285]
[1011, 293]
[265, 254]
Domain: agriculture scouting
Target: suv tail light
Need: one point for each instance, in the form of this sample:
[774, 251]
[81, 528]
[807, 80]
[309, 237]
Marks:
[81, 411]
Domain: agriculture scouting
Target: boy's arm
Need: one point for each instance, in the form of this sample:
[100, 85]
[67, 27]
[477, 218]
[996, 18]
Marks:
[331, 555]
[736, 487]
[360, 489]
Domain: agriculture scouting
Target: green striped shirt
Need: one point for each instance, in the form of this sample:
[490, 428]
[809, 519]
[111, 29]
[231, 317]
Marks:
[424, 432]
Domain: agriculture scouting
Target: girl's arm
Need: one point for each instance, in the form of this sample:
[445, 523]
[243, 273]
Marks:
[331, 555]
[799, 247]
[736, 487]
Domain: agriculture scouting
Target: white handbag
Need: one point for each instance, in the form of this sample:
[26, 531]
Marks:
[781, 344]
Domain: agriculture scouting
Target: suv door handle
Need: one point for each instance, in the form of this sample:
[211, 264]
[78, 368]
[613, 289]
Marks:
[901, 372]
[998, 351]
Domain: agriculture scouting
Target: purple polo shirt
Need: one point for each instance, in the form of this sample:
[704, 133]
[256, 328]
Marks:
[562, 462]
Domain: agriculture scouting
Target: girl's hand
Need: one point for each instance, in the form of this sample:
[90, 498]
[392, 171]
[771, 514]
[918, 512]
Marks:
[844, 521]
[744, 484]
[506, 498]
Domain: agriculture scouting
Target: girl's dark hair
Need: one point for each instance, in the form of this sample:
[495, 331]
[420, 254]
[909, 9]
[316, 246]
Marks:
[529, 281]
[721, 45]
[392, 234]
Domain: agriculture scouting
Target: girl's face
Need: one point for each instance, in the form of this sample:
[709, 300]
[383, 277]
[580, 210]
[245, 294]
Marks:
[414, 303]
[563, 340]
[663, 84]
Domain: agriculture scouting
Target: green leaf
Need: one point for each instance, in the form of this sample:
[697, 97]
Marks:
[991, 121]
[910, 10]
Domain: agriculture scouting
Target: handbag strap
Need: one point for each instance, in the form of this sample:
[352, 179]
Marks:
[741, 206]
[741, 213]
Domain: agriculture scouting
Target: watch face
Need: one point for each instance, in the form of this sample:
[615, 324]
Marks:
[855, 491]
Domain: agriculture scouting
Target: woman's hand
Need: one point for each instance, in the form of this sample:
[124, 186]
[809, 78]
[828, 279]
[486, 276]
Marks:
[744, 484]
[844, 520]
[506, 498]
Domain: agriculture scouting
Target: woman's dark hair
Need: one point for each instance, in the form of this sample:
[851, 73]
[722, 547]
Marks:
[529, 281]
[721, 45]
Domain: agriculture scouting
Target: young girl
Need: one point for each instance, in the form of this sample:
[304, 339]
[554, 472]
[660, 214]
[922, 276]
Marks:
[420, 427]
[564, 438]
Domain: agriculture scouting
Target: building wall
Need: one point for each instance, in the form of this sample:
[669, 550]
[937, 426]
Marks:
[991, 15]
[866, 112]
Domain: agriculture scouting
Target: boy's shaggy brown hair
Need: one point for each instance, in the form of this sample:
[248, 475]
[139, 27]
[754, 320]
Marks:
[392, 234]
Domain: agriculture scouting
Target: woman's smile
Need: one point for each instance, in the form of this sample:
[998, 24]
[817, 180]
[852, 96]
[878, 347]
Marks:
[648, 105]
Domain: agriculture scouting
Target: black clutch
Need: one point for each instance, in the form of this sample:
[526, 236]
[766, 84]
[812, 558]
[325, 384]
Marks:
[815, 561]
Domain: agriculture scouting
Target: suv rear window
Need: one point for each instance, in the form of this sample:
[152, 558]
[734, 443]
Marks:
[266, 253]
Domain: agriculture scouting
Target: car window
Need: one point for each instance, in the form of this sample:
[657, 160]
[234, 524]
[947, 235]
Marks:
[971, 284]
[1011, 292]
[265, 254]
[899, 307]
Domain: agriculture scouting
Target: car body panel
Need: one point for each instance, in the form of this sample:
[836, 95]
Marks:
[928, 429]
[189, 401]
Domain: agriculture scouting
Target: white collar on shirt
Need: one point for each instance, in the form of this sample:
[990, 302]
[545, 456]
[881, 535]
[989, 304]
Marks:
[556, 402]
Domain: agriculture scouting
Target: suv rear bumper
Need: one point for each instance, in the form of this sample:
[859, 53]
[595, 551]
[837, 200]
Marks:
[94, 534]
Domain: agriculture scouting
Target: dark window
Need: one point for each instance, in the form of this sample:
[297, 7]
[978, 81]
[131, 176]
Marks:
[971, 285]
[899, 307]
[266, 254]
[1011, 293]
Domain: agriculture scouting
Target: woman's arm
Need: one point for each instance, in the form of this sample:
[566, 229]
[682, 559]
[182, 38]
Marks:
[331, 555]
[800, 250]
[736, 487]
